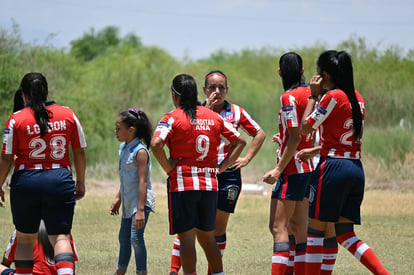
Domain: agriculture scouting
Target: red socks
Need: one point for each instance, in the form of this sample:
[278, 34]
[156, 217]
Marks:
[362, 252]
[280, 258]
[292, 252]
[65, 264]
[23, 267]
[300, 258]
[175, 256]
[314, 251]
[330, 251]
[221, 242]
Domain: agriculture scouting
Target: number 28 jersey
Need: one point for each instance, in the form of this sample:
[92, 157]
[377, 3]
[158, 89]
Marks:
[333, 116]
[196, 142]
[22, 138]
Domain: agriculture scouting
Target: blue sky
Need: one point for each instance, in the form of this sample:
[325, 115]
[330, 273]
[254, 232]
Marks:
[197, 28]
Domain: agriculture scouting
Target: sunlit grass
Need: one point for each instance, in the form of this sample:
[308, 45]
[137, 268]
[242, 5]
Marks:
[387, 219]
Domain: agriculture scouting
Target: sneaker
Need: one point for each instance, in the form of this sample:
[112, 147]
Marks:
[173, 273]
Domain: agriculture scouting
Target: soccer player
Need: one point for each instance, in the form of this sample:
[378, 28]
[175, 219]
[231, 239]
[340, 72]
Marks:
[337, 189]
[43, 254]
[289, 205]
[192, 134]
[42, 186]
[230, 181]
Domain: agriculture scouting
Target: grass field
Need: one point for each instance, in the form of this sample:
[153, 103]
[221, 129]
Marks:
[387, 227]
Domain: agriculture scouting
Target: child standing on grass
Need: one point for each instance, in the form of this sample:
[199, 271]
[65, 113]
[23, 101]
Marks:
[134, 130]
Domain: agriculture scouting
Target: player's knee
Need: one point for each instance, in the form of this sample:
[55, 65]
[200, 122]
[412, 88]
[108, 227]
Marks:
[277, 229]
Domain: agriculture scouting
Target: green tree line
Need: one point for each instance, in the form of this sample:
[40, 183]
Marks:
[103, 73]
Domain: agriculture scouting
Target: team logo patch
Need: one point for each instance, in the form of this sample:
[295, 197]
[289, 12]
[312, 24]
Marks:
[321, 110]
[163, 124]
[287, 108]
[232, 193]
[229, 115]
[312, 193]
[6, 131]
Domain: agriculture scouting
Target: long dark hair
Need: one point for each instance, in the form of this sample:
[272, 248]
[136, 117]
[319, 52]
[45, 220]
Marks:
[339, 65]
[43, 238]
[291, 66]
[185, 86]
[139, 120]
[18, 102]
[34, 86]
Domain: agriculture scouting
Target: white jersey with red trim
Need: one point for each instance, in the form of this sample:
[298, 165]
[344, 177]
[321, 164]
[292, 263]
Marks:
[22, 138]
[239, 118]
[333, 116]
[195, 142]
[293, 104]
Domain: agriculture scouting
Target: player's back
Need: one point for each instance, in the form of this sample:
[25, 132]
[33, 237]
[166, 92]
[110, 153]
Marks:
[338, 139]
[195, 141]
[34, 151]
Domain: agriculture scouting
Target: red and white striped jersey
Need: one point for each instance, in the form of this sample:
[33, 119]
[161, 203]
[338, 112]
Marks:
[22, 138]
[333, 116]
[195, 142]
[239, 118]
[293, 104]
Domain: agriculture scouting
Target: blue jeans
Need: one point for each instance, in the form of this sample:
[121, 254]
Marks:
[130, 236]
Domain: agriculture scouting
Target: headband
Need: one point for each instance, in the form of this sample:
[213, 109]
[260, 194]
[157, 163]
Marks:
[216, 73]
[174, 90]
[134, 112]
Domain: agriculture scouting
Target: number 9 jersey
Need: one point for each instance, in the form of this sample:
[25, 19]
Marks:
[22, 138]
[196, 142]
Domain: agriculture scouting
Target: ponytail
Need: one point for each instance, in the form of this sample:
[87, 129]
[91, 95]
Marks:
[339, 66]
[346, 84]
[43, 238]
[34, 86]
[139, 120]
[18, 102]
[291, 65]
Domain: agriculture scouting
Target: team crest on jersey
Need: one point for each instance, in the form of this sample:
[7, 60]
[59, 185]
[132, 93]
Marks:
[6, 133]
[163, 124]
[229, 115]
[287, 108]
[312, 193]
[232, 192]
[321, 109]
